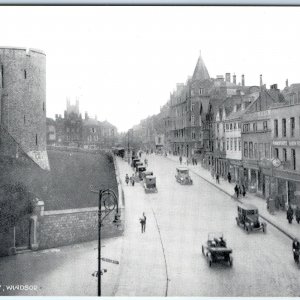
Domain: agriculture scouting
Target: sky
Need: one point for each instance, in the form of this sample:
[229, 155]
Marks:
[123, 62]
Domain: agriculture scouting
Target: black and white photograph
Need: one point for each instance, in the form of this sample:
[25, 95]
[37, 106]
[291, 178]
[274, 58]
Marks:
[150, 151]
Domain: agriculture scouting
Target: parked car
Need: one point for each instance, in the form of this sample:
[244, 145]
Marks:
[248, 218]
[147, 173]
[137, 164]
[140, 170]
[182, 175]
[216, 250]
[150, 184]
[134, 161]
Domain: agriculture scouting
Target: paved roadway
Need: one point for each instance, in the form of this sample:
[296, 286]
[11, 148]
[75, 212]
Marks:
[263, 264]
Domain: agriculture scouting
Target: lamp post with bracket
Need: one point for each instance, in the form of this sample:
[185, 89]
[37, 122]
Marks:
[108, 203]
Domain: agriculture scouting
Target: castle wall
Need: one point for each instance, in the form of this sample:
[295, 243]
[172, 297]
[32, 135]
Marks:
[23, 100]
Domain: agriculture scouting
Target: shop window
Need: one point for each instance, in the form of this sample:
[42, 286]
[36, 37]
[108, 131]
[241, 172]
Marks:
[276, 152]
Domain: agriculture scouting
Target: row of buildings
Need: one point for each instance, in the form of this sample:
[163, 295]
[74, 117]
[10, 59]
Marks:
[75, 131]
[251, 132]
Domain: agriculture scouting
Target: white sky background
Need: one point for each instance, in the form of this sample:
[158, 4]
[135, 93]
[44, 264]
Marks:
[123, 62]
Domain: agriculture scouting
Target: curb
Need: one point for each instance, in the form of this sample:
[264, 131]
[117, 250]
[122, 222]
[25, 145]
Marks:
[233, 197]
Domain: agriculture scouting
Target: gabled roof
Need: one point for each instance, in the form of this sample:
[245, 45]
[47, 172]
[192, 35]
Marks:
[200, 72]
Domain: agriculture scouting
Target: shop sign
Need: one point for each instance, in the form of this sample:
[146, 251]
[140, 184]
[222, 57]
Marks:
[287, 143]
[294, 143]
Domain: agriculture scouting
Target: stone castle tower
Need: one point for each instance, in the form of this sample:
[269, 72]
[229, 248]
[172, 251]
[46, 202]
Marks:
[23, 104]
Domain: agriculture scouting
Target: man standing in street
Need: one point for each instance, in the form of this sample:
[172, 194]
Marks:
[143, 222]
[180, 159]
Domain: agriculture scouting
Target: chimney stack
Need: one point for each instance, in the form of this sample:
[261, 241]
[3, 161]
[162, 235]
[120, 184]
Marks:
[243, 80]
[228, 77]
[234, 78]
[260, 80]
[287, 83]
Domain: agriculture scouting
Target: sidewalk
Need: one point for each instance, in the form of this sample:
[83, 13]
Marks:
[278, 219]
[142, 267]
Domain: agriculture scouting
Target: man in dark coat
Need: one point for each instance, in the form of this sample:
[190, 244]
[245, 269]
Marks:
[236, 190]
[289, 214]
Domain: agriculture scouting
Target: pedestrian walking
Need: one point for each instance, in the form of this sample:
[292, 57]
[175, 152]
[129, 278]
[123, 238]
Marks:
[297, 214]
[126, 179]
[290, 214]
[143, 222]
[132, 180]
[240, 189]
[236, 190]
[180, 159]
[243, 190]
[218, 178]
[229, 177]
[196, 161]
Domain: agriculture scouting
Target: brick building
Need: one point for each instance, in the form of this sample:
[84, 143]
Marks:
[285, 124]
[74, 131]
[256, 142]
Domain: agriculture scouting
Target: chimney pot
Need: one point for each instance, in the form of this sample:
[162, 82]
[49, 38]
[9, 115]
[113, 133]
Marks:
[260, 80]
[228, 77]
[243, 80]
[234, 79]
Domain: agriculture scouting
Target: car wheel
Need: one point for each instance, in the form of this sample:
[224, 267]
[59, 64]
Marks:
[264, 228]
[202, 250]
[237, 221]
[230, 262]
[209, 263]
[247, 229]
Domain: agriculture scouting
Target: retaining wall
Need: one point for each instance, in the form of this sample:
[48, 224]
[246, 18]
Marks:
[65, 227]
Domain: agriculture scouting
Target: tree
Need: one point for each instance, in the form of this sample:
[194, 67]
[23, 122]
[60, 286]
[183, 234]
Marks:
[15, 202]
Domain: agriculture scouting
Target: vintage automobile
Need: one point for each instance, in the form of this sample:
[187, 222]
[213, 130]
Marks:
[134, 161]
[248, 218]
[147, 173]
[216, 250]
[182, 176]
[137, 165]
[140, 170]
[150, 184]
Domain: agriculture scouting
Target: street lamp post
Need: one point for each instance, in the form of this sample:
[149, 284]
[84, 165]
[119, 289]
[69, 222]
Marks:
[108, 202]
